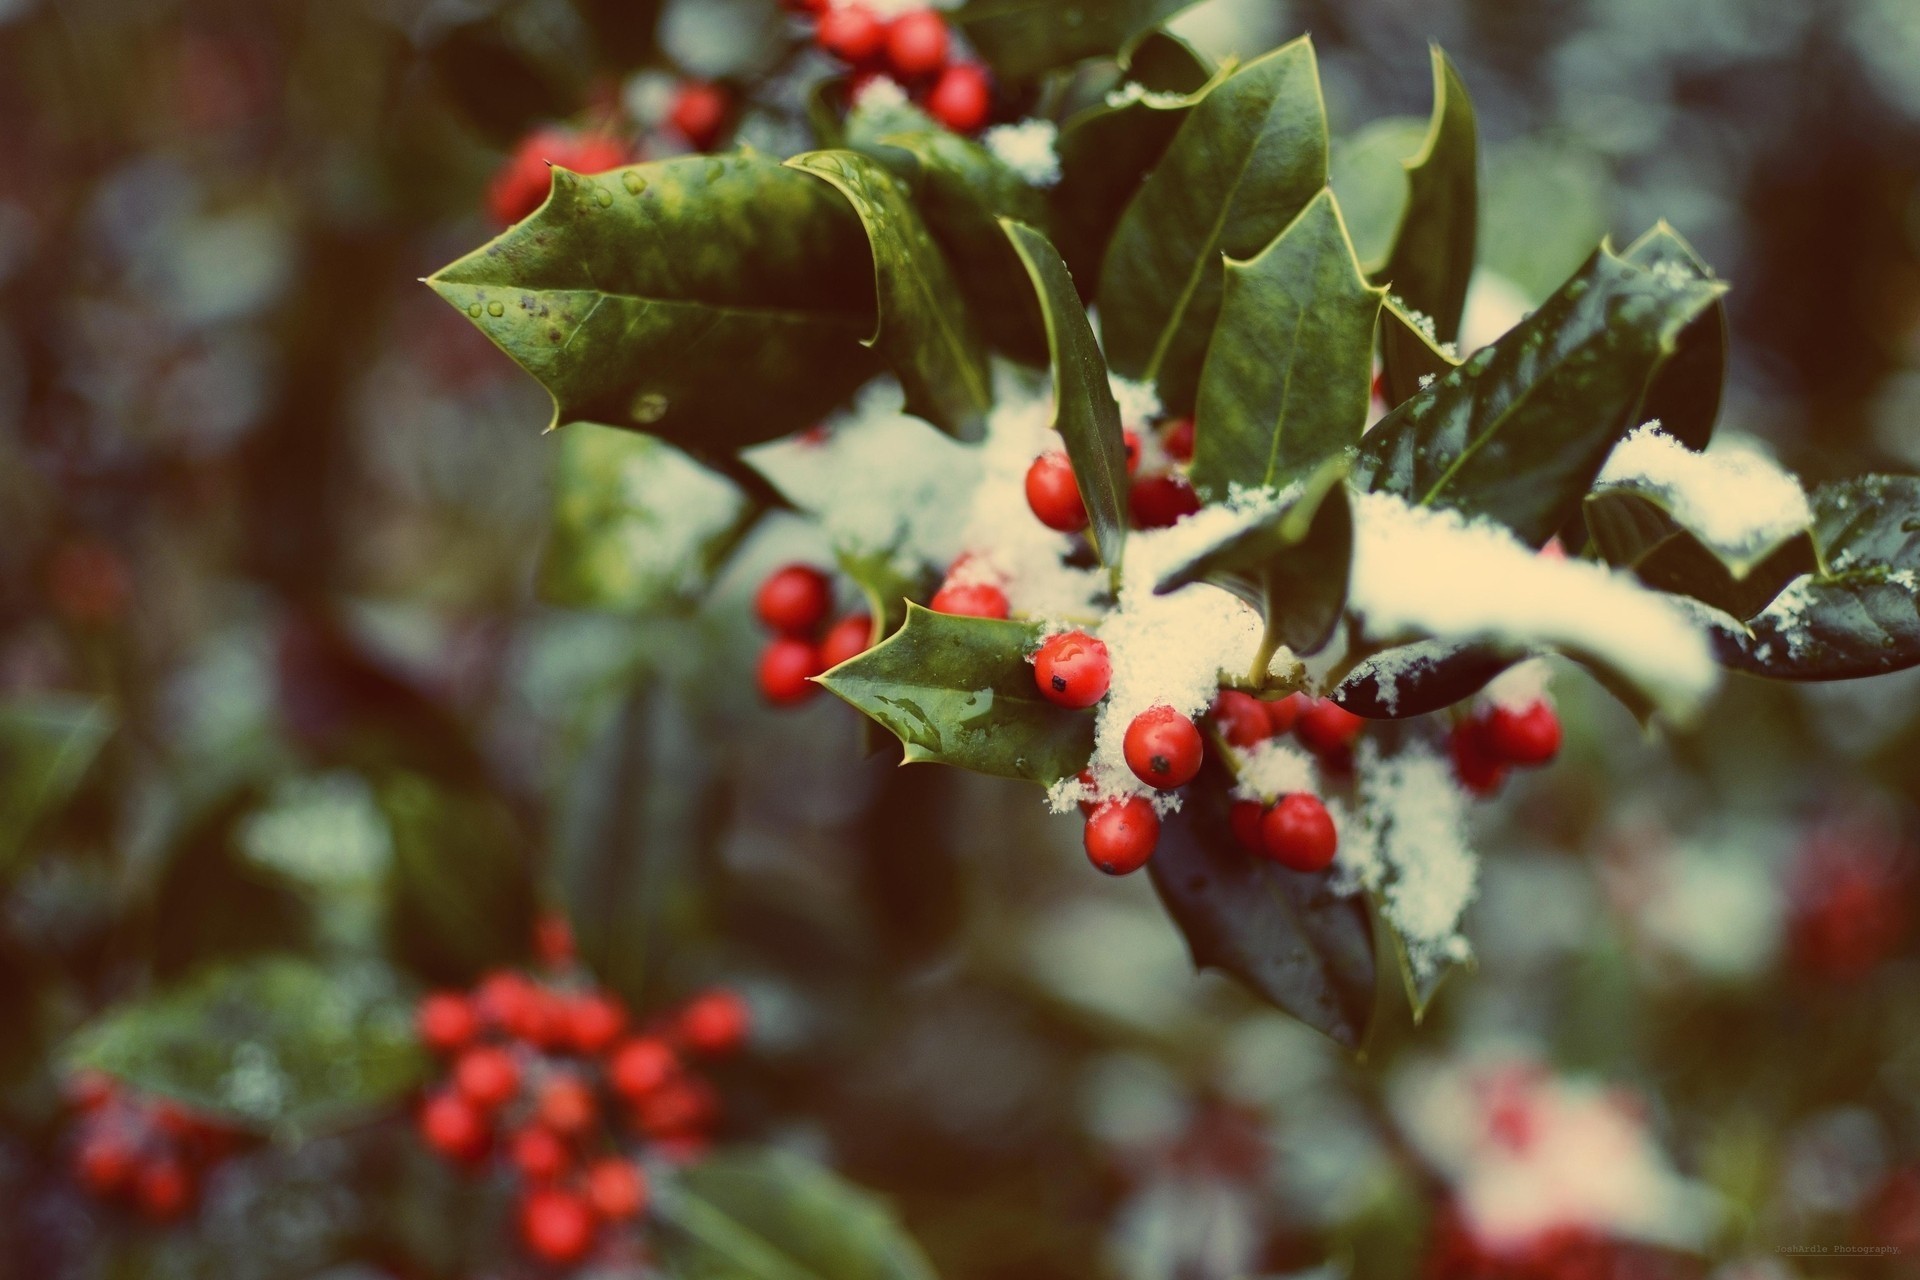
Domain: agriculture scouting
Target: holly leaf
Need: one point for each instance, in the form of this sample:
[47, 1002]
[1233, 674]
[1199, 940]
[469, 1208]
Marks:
[48, 742]
[1084, 411]
[1245, 162]
[1289, 372]
[1410, 358]
[887, 586]
[1685, 391]
[962, 190]
[1638, 525]
[1860, 614]
[277, 1045]
[1291, 565]
[771, 1215]
[1418, 679]
[1107, 150]
[1286, 935]
[1518, 433]
[712, 300]
[460, 891]
[1431, 261]
[925, 330]
[960, 691]
[1022, 38]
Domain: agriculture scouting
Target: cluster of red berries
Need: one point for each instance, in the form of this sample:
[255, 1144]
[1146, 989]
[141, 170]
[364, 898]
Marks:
[1156, 500]
[794, 603]
[1489, 742]
[1165, 750]
[146, 1154]
[914, 49]
[1851, 889]
[537, 1074]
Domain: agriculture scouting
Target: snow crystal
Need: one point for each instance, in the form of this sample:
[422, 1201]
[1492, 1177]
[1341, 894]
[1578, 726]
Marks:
[1139, 402]
[1734, 496]
[1066, 794]
[1420, 570]
[1028, 149]
[1388, 668]
[1407, 841]
[1271, 769]
[1133, 91]
[1786, 616]
[1426, 380]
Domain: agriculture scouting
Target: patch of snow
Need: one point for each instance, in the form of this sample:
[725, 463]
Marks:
[1734, 496]
[1027, 148]
[1388, 668]
[1139, 402]
[1271, 769]
[1520, 686]
[1133, 91]
[879, 93]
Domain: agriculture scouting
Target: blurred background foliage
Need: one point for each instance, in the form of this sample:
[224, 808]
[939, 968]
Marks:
[311, 647]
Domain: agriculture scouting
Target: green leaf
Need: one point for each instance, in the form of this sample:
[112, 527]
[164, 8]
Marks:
[213, 902]
[712, 300]
[1289, 373]
[1431, 262]
[1107, 150]
[460, 892]
[1368, 171]
[277, 1045]
[637, 525]
[960, 691]
[1416, 680]
[770, 1215]
[1246, 160]
[1518, 433]
[925, 330]
[48, 742]
[1286, 935]
[887, 586]
[1409, 356]
[1685, 391]
[1084, 411]
[1022, 38]
[962, 190]
[1544, 206]
[1636, 525]
[1859, 616]
[1291, 565]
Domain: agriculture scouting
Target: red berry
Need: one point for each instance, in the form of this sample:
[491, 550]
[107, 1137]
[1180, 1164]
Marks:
[961, 97]
[1473, 764]
[970, 600]
[699, 113]
[849, 638]
[487, 1077]
[794, 600]
[851, 33]
[453, 1126]
[917, 44]
[1072, 669]
[567, 1105]
[539, 1154]
[89, 1090]
[163, 1189]
[506, 1000]
[1178, 442]
[1054, 494]
[522, 183]
[1298, 833]
[446, 1021]
[1244, 816]
[685, 1106]
[617, 1189]
[1327, 728]
[641, 1066]
[556, 1225]
[1241, 718]
[1528, 737]
[714, 1023]
[1121, 835]
[594, 1021]
[104, 1163]
[1282, 712]
[1160, 502]
[1163, 748]
[1131, 441]
[787, 668]
[553, 940]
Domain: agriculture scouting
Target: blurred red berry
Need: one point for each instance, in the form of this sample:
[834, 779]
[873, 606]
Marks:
[567, 1106]
[1163, 748]
[1326, 728]
[1282, 712]
[846, 639]
[1178, 442]
[641, 1066]
[1529, 736]
[594, 1021]
[699, 113]
[1473, 764]
[684, 1105]
[1072, 669]
[539, 1153]
[714, 1023]
[104, 1163]
[851, 32]
[553, 940]
[1244, 816]
[163, 1189]
[453, 1126]
[522, 183]
[787, 668]
[961, 97]
[617, 1189]
[1162, 501]
[556, 1225]
[446, 1021]
[1121, 835]
[1241, 718]
[488, 1076]
[971, 600]
[1130, 440]
[88, 1089]
[917, 44]
[794, 600]
[1298, 833]
[505, 999]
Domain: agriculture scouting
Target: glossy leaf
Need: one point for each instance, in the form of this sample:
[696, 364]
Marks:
[1289, 373]
[925, 330]
[460, 893]
[960, 691]
[1859, 616]
[1084, 411]
[1409, 356]
[1518, 433]
[276, 1045]
[48, 742]
[1431, 261]
[1022, 38]
[1291, 565]
[1107, 150]
[1287, 936]
[1685, 391]
[712, 300]
[1635, 525]
[1245, 162]
[1416, 680]
[770, 1215]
